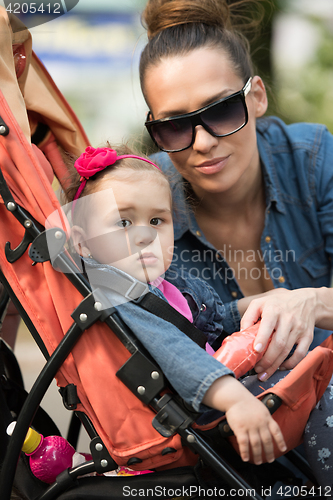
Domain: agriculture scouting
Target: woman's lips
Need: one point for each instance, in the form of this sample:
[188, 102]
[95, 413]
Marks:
[212, 166]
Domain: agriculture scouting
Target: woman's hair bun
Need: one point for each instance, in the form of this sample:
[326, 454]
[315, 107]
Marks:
[162, 14]
[241, 15]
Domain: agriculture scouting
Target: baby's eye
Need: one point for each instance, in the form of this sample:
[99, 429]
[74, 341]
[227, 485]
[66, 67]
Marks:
[124, 223]
[156, 221]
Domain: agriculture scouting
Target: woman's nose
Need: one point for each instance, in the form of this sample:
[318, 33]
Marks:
[203, 141]
[144, 235]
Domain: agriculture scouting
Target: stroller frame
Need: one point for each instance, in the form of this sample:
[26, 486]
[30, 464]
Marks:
[171, 414]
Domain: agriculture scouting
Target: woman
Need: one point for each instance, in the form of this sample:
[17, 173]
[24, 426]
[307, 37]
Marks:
[256, 196]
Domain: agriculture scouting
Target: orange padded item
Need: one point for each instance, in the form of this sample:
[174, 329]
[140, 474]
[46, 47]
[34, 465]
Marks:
[237, 352]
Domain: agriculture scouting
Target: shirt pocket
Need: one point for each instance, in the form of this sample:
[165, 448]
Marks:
[315, 262]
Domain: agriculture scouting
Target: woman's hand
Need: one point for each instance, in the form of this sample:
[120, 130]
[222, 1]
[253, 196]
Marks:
[290, 315]
[250, 420]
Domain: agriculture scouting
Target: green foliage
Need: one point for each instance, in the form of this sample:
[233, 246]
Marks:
[306, 94]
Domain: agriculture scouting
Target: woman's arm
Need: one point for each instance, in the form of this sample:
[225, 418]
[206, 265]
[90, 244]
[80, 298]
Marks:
[248, 417]
[291, 316]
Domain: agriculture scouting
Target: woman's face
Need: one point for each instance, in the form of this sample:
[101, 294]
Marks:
[182, 84]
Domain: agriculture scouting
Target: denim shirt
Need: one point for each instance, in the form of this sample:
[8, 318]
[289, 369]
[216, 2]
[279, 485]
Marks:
[297, 240]
[188, 367]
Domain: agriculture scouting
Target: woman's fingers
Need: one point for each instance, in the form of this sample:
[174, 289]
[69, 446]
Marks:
[261, 303]
[289, 317]
[252, 313]
[288, 334]
[268, 325]
[277, 351]
[300, 352]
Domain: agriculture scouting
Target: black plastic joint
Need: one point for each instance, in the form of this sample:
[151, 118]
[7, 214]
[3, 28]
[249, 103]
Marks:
[144, 378]
[101, 457]
[170, 417]
[69, 396]
[47, 245]
[86, 313]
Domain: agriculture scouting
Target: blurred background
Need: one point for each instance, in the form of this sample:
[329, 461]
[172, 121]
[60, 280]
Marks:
[92, 53]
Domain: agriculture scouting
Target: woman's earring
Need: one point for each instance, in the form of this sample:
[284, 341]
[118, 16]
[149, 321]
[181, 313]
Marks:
[90, 256]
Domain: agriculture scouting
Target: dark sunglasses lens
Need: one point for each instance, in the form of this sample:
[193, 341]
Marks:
[225, 117]
[172, 135]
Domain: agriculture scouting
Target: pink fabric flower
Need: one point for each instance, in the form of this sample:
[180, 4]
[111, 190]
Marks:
[94, 160]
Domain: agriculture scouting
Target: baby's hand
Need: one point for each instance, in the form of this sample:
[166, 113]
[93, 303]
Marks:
[248, 418]
[255, 430]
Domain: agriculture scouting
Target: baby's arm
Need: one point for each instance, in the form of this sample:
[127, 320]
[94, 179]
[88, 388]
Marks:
[248, 417]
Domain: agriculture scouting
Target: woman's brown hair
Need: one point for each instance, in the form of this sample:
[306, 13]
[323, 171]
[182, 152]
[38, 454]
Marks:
[176, 27]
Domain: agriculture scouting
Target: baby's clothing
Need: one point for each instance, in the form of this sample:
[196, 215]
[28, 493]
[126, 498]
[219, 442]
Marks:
[175, 298]
[189, 369]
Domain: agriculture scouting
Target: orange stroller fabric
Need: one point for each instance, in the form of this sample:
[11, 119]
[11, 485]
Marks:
[46, 295]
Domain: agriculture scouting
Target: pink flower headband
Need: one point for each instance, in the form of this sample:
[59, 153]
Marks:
[95, 160]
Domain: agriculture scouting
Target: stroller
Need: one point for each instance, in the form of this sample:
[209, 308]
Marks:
[131, 414]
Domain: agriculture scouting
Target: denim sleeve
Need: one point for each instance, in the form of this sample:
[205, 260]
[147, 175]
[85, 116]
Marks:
[231, 322]
[324, 185]
[189, 369]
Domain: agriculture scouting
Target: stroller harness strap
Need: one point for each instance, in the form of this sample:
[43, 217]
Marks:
[139, 293]
[159, 307]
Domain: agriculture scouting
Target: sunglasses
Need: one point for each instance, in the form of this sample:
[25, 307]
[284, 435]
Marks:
[221, 118]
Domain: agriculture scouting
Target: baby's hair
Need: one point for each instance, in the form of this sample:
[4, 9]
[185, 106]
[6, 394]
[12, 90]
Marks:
[93, 183]
[176, 27]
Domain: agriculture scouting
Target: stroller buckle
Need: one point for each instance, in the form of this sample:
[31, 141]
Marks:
[136, 291]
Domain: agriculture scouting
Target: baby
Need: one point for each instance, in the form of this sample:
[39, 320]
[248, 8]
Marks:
[122, 226]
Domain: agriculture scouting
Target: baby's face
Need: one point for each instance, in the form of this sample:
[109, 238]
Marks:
[129, 225]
